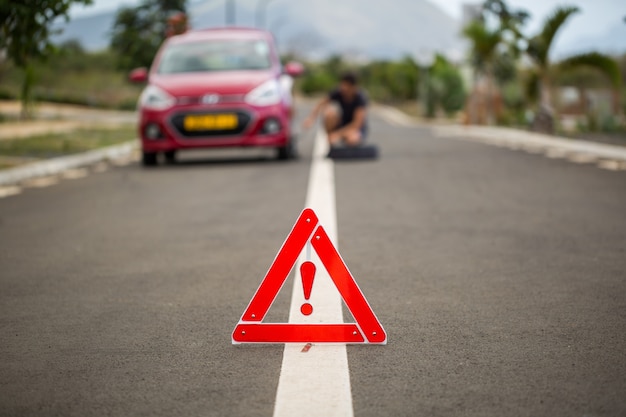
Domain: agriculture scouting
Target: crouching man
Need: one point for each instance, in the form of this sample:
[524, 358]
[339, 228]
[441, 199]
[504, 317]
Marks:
[344, 112]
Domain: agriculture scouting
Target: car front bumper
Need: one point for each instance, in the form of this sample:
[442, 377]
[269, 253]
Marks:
[252, 130]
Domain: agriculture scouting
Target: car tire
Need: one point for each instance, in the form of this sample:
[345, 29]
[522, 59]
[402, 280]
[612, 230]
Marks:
[149, 159]
[170, 157]
[289, 151]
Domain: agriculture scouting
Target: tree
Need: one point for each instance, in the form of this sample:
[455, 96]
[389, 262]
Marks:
[539, 51]
[483, 55]
[445, 88]
[606, 65]
[509, 23]
[25, 29]
[495, 39]
[139, 31]
[508, 20]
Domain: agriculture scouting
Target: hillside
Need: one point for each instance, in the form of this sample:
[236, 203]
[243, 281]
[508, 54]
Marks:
[366, 28]
[362, 28]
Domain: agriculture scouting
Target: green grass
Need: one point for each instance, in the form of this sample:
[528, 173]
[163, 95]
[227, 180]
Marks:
[90, 80]
[49, 146]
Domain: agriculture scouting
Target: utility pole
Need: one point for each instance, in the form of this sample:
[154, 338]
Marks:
[425, 88]
[424, 58]
[230, 13]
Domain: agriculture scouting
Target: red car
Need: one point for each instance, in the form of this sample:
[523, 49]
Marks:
[216, 88]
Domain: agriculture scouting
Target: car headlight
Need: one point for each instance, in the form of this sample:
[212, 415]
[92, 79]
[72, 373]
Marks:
[156, 98]
[266, 94]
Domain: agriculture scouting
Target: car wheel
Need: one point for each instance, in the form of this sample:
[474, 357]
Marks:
[170, 157]
[289, 151]
[149, 159]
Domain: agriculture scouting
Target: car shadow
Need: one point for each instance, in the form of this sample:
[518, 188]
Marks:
[221, 161]
[224, 161]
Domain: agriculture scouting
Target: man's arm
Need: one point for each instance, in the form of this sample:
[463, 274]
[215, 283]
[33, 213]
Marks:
[310, 120]
[359, 118]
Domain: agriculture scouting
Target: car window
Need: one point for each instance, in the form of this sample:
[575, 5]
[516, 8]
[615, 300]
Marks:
[215, 55]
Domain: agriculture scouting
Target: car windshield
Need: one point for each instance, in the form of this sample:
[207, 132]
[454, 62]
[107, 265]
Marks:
[215, 55]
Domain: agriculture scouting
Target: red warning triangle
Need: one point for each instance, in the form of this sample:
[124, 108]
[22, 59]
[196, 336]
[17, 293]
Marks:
[367, 328]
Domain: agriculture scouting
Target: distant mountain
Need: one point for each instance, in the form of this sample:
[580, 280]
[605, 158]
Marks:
[93, 31]
[361, 28]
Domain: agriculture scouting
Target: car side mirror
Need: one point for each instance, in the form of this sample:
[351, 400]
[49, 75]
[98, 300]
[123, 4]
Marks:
[138, 75]
[294, 69]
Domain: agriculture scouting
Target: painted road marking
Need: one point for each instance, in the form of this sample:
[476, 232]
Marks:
[315, 380]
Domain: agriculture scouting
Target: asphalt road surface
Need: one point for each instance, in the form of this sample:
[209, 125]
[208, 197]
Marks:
[499, 276]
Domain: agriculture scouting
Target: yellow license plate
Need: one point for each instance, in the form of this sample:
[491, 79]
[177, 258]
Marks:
[226, 121]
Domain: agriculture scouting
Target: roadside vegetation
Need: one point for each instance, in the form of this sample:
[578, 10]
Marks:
[25, 29]
[516, 82]
[75, 141]
[74, 76]
[33, 69]
[394, 82]
[508, 77]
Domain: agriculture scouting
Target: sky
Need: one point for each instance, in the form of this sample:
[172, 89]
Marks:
[596, 16]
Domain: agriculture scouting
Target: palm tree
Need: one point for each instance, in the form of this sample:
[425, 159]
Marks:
[484, 47]
[509, 20]
[539, 50]
[491, 47]
[605, 64]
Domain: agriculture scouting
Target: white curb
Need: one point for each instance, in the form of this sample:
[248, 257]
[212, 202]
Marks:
[510, 137]
[56, 165]
[513, 138]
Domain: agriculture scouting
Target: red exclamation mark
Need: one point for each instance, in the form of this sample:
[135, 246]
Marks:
[307, 271]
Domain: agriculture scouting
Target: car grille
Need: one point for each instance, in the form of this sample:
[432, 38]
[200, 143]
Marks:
[221, 99]
[243, 120]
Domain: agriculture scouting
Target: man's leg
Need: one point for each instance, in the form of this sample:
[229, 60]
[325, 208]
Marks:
[353, 137]
[331, 122]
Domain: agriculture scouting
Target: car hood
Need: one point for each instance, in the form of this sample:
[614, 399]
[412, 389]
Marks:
[197, 84]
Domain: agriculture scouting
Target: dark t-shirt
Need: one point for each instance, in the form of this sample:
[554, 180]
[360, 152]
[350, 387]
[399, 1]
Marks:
[349, 107]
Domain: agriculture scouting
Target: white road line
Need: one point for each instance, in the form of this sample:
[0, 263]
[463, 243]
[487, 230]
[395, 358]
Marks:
[316, 382]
